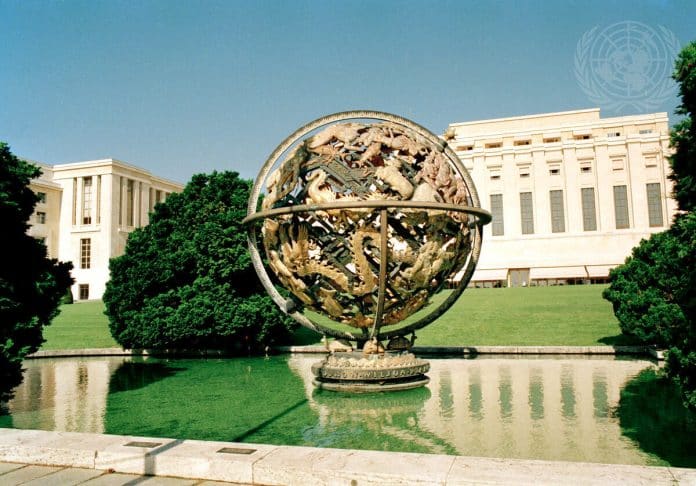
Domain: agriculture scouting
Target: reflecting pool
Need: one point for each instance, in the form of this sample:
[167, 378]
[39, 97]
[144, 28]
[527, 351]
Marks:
[576, 409]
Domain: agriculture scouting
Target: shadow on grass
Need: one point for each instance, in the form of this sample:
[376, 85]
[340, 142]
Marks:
[619, 340]
[652, 414]
[304, 337]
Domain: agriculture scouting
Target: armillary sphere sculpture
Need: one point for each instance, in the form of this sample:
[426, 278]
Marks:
[365, 217]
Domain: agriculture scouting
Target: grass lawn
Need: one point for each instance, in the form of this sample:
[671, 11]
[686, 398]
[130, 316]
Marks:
[530, 316]
[79, 325]
[569, 315]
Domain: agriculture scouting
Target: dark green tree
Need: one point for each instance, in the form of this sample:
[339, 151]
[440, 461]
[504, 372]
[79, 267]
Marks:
[186, 280]
[654, 293]
[683, 138]
[31, 284]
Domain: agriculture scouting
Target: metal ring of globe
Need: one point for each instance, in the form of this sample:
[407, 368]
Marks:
[389, 211]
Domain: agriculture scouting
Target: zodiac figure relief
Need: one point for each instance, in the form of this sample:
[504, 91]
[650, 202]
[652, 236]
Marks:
[331, 259]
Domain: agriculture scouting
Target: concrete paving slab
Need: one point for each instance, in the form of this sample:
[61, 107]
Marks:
[114, 479]
[683, 475]
[194, 458]
[219, 483]
[26, 474]
[163, 481]
[65, 477]
[74, 449]
[306, 465]
[6, 467]
[473, 470]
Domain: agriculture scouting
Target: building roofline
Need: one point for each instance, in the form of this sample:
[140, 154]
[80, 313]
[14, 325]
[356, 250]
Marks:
[560, 125]
[112, 162]
[525, 117]
[659, 114]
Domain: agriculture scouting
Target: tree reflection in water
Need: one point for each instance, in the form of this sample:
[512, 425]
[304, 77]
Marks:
[651, 413]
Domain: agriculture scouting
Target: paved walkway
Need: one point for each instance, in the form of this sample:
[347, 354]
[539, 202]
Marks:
[12, 474]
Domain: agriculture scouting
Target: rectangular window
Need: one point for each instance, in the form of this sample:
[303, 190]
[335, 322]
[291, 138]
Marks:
[85, 253]
[74, 201]
[40, 217]
[654, 204]
[465, 148]
[139, 207]
[581, 137]
[552, 140]
[555, 171]
[42, 197]
[84, 291]
[120, 200]
[87, 200]
[645, 131]
[98, 199]
[522, 142]
[586, 169]
[557, 213]
[589, 213]
[527, 213]
[613, 134]
[151, 199]
[159, 196]
[494, 145]
[621, 207]
[130, 195]
[497, 224]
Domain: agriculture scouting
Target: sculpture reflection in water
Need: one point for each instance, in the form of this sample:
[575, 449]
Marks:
[593, 410]
[365, 218]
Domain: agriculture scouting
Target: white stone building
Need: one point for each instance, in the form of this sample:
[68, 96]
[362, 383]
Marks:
[571, 193]
[86, 211]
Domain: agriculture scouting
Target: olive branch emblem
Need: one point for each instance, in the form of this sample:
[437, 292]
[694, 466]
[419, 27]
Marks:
[609, 84]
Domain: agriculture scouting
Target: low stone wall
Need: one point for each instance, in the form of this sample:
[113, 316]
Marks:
[287, 465]
[451, 351]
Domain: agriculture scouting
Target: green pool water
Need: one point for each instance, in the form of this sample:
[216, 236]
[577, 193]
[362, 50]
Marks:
[594, 410]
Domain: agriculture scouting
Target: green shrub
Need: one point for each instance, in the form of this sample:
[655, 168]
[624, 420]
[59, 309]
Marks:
[186, 280]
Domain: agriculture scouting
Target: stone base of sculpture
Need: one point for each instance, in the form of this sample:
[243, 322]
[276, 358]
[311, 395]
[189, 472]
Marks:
[357, 372]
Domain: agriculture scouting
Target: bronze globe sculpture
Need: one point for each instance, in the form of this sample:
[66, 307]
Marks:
[365, 217]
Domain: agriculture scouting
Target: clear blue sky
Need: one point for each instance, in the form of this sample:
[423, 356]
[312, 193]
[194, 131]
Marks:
[180, 87]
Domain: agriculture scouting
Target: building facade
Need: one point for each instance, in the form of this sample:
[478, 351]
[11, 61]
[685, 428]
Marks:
[571, 193]
[86, 211]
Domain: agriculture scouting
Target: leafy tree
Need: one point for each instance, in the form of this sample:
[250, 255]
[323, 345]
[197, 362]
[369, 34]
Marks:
[683, 137]
[186, 280]
[654, 293]
[31, 284]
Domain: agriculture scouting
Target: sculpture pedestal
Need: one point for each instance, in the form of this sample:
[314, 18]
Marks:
[355, 372]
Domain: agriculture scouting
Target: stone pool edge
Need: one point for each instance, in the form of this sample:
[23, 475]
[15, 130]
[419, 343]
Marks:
[288, 465]
[451, 351]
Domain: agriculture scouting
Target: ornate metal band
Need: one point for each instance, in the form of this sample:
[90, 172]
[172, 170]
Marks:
[484, 216]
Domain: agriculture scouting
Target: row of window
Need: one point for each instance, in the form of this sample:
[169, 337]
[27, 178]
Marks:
[90, 201]
[589, 211]
[546, 140]
[133, 208]
[617, 164]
